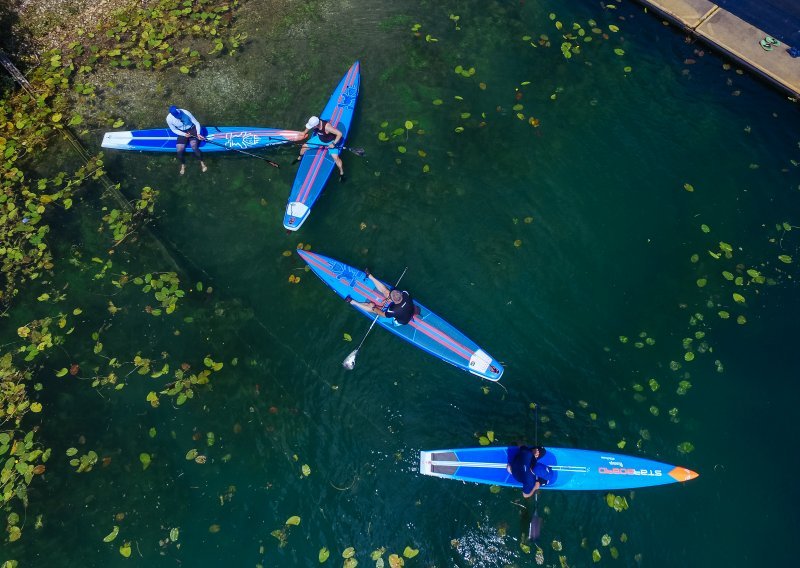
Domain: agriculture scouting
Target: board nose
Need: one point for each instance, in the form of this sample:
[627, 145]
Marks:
[682, 474]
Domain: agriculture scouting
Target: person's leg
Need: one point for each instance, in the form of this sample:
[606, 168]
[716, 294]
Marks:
[379, 286]
[338, 162]
[181, 148]
[196, 149]
[303, 150]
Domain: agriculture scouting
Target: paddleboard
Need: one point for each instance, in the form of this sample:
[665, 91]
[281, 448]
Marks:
[316, 165]
[569, 469]
[231, 138]
[426, 330]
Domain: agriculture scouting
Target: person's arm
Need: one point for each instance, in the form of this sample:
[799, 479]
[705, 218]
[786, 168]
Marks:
[196, 124]
[331, 130]
[367, 306]
[535, 487]
[173, 124]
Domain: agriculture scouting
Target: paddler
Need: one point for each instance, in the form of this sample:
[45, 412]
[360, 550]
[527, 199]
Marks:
[525, 469]
[323, 134]
[182, 123]
[401, 306]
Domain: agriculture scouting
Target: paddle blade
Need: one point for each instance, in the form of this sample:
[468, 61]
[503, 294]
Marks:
[357, 151]
[349, 362]
[535, 529]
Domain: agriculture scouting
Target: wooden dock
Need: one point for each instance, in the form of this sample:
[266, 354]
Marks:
[734, 37]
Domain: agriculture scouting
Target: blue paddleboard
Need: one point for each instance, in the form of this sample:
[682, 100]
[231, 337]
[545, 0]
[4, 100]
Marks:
[221, 139]
[316, 165]
[426, 330]
[567, 468]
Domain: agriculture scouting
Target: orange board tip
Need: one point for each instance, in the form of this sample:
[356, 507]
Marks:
[682, 474]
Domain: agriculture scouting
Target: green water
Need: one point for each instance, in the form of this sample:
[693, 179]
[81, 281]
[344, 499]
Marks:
[606, 253]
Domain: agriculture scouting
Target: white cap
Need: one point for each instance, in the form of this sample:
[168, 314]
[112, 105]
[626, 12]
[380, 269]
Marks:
[312, 122]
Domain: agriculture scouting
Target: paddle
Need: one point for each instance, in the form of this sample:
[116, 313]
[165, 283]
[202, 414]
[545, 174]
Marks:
[357, 151]
[349, 362]
[270, 162]
[536, 522]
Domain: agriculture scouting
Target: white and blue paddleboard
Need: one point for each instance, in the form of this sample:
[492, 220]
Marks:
[568, 469]
[316, 165]
[220, 139]
[426, 330]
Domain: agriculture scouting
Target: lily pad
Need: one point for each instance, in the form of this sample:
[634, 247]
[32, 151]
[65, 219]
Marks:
[145, 459]
[293, 520]
[125, 549]
[112, 535]
[324, 553]
[410, 552]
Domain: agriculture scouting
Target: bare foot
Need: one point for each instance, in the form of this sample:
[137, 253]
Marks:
[203, 167]
[183, 168]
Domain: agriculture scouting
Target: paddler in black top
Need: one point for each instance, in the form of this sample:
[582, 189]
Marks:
[323, 134]
[186, 127]
[401, 306]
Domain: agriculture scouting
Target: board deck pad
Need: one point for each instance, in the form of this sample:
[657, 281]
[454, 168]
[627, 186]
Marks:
[568, 468]
[426, 330]
[316, 165]
[231, 138]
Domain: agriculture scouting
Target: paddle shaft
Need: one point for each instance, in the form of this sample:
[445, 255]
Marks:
[270, 162]
[536, 522]
[374, 321]
[356, 151]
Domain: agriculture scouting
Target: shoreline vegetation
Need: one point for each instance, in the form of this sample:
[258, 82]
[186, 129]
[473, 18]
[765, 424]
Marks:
[71, 53]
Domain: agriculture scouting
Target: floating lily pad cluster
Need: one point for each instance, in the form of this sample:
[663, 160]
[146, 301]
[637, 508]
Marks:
[185, 385]
[349, 555]
[149, 36]
[573, 36]
[400, 138]
[123, 223]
